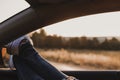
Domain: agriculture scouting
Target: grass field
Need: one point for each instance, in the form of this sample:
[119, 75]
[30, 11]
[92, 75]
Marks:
[89, 59]
[92, 59]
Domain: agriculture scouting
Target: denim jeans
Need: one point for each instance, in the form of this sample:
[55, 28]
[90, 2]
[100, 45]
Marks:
[31, 66]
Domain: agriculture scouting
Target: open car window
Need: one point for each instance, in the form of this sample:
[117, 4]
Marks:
[83, 43]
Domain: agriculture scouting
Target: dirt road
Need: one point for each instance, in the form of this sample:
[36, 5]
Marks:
[63, 66]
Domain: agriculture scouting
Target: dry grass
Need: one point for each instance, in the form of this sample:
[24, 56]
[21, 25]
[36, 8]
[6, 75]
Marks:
[109, 60]
[92, 59]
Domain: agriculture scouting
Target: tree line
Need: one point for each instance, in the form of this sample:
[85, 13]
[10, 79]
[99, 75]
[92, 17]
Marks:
[42, 40]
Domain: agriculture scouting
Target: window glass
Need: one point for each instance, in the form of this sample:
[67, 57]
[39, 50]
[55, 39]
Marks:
[9, 8]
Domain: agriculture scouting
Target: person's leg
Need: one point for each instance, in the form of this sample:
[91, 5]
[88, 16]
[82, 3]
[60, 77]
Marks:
[39, 65]
[27, 58]
[24, 72]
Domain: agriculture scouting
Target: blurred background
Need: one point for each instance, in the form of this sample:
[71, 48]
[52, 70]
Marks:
[82, 53]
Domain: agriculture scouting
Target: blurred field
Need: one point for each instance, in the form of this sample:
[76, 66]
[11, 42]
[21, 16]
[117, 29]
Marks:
[85, 59]
[98, 60]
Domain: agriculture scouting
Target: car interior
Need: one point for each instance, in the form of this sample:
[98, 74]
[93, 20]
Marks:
[42, 13]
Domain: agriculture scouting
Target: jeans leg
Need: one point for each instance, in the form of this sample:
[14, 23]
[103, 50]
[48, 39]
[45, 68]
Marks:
[40, 66]
[24, 72]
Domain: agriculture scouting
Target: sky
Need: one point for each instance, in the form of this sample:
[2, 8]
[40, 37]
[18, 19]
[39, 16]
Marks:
[105, 24]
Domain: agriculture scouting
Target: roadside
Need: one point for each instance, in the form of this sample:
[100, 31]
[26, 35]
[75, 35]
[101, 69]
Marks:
[71, 67]
[63, 66]
[85, 59]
